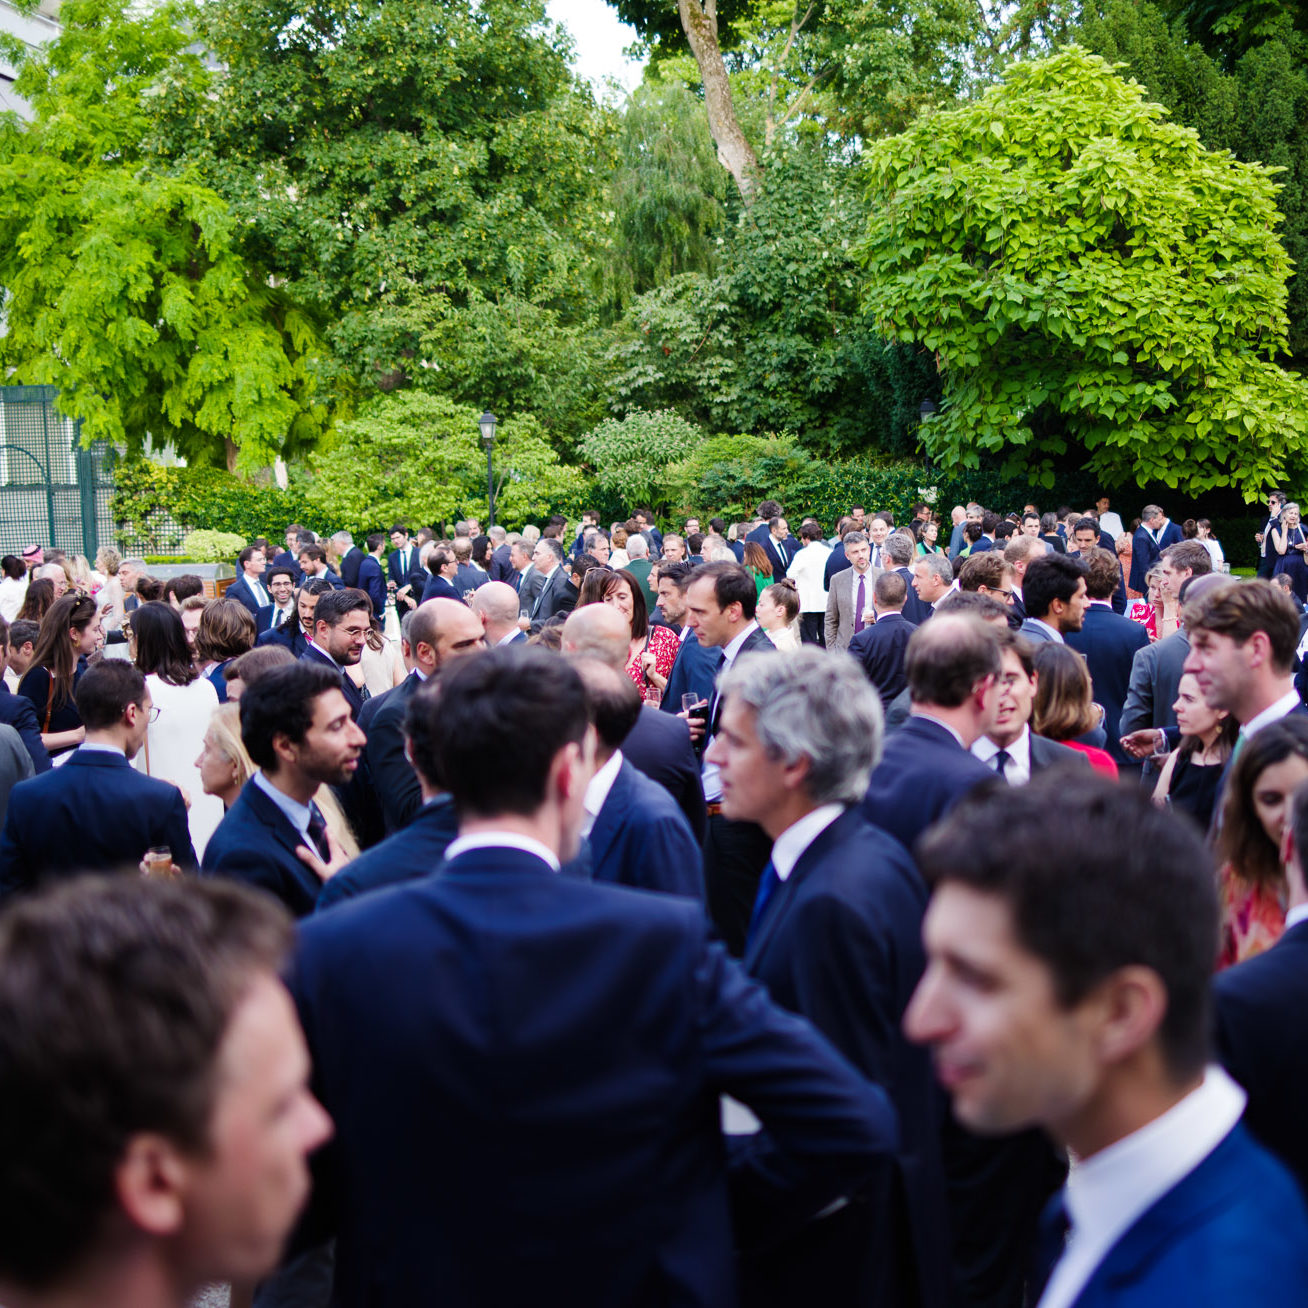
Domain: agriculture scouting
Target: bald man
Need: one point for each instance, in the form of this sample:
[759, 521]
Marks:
[659, 744]
[496, 603]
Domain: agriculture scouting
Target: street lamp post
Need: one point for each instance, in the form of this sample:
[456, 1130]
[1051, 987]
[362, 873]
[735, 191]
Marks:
[924, 412]
[487, 423]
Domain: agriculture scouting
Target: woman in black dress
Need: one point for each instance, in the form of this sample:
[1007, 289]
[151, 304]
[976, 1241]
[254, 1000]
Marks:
[69, 634]
[1289, 543]
[1189, 778]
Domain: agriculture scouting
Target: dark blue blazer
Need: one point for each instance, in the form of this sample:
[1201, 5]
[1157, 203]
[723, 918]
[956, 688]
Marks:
[1263, 1042]
[696, 668]
[263, 619]
[1233, 1231]
[642, 839]
[416, 574]
[217, 678]
[915, 610]
[659, 746]
[439, 588]
[467, 577]
[762, 536]
[393, 777]
[1144, 553]
[554, 1050]
[501, 569]
[295, 641]
[416, 851]
[240, 591]
[17, 711]
[880, 648]
[256, 843]
[840, 942]
[351, 562]
[1109, 643]
[95, 813]
[923, 772]
[312, 654]
[372, 581]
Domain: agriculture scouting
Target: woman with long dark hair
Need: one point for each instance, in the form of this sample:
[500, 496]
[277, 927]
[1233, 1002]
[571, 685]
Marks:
[69, 635]
[37, 601]
[13, 586]
[1189, 779]
[653, 650]
[184, 702]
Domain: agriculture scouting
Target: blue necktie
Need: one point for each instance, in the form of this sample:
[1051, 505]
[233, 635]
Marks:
[1051, 1239]
[767, 886]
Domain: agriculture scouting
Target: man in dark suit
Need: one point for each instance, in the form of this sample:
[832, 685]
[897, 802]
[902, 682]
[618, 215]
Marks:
[1110, 643]
[849, 597]
[952, 667]
[340, 628]
[881, 647]
[349, 557]
[1118, 964]
[778, 544]
[1260, 1006]
[404, 567]
[501, 566]
[1055, 598]
[296, 535]
[1086, 536]
[298, 730]
[557, 594]
[1267, 557]
[294, 636]
[836, 936]
[933, 577]
[1154, 534]
[443, 568]
[313, 563]
[248, 588]
[696, 665]
[496, 604]
[280, 582]
[440, 632]
[369, 576]
[634, 833]
[1009, 747]
[16, 711]
[581, 1035]
[95, 813]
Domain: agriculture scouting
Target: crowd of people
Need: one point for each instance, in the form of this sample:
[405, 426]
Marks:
[910, 916]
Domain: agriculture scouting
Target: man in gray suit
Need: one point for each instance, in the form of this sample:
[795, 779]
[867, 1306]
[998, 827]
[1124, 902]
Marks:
[849, 598]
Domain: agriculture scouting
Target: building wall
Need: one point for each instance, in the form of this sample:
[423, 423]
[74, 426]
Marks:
[34, 29]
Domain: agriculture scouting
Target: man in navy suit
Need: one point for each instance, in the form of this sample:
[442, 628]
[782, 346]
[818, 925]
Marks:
[348, 557]
[1086, 536]
[580, 1036]
[634, 833]
[881, 647]
[406, 571]
[696, 665]
[932, 578]
[952, 666]
[369, 576]
[96, 813]
[1260, 1006]
[1079, 1004]
[294, 635]
[496, 604]
[280, 583]
[1154, 534]
[440, 631]
[557, 594]
[313, 563]
[778, 544]
[17, 711]
[340, 628]
[1109, 642]
[836, 936]
[443, 568]
[248, 588]
[298, 730]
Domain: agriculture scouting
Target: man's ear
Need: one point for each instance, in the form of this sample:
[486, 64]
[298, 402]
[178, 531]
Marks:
[150, 1183]
[1132, 1004]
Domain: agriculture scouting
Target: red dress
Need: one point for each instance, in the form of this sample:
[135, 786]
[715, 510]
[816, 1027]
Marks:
[663, 644]
[1100, 759]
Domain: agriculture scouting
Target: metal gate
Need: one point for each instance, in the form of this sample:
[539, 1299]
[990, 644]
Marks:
[53, 492]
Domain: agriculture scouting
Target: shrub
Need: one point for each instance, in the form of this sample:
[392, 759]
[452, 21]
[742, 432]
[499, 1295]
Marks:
[631, 455]
[212, 546]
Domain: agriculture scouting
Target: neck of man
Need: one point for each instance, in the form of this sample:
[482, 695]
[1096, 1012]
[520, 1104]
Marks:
[963, 719]
[883, 612]
[785, 811]
[1007, 735]
[735, 631]
[545, 825]
[113, 737]
[254, 576]
[1261, 693]
[293, 783]
[1050, 619]
[1131, 1095]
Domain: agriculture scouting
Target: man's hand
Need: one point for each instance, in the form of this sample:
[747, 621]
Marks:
[323, 871]
[697, 725]
[1144, 743]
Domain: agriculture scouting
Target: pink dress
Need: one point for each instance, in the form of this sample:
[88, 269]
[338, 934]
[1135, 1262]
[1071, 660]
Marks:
[663, 644]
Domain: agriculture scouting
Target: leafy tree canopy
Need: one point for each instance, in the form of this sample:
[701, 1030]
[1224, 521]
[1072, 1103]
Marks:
[630, 456]
[1087, 274]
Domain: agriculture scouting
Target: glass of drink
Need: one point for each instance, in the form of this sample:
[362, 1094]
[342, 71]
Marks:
[159, 861]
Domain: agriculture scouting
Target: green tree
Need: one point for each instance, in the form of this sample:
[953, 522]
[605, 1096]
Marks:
[1088, 276]
[629, 456]
[418, 458]
[124, 282]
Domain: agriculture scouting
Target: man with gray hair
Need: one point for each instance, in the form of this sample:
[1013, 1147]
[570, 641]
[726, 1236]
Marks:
[836, 937]
[349, 556]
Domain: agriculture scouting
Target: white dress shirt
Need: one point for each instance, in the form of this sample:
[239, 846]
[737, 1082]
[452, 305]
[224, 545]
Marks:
[712, 786]
[1017, 771]
[1107, 1193]
[502, 840]
[792, 843]
[1274, 713]
[261, 596]
[807, 571]
[597, 791]
[1297, 914]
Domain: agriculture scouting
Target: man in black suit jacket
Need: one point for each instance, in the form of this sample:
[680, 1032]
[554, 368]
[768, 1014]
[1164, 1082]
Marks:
[881, 647]
[294, 636]
[313, 563]
[836, 936]
[1260, 1006]
[298, 730]
[405, 568]
[96, 813]
[370, 576]
[557, 594]
[953, 667]
[1154, 534]
[340, 628]
[280, 583]
[443, 568]
[348, 556]
[1086, 537]
[778, 544]
[248, 588]
[440, 632]
[17, 711]
[1267, 555]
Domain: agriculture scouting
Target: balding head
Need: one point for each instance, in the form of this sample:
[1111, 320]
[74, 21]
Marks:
[598, 631]
[497, 605]
[614, 703]
[442, 630]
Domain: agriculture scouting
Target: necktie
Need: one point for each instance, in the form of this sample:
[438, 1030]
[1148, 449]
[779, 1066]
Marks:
[767, 885]
[318, 833]
[1051, 1239]
[1002, 759]
[781, 554]
[859, 599]
[876, 556]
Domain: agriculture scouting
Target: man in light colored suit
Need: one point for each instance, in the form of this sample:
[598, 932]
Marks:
[849, 598]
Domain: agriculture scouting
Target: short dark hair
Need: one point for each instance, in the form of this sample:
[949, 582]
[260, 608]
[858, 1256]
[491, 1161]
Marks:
[731, 585]
[677, 573]
[1239, 608]
[280, 703]
[1151, 902]
[316, 586]
[1054, 577]
[183, 587]
[248, 553]
[281, 570]
[555, 546]
[946, 660]
[115, 998]
[519, 703]
[989, 521]
[1086, 524]
[694, 542]
[104, 692]
[23, 632]
[890, 590]
[161, 645]
[769, 509]
[399, 526]
[375, 541]
[333, 609]
[987, 569]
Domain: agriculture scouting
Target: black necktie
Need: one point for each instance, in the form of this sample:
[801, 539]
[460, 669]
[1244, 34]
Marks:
[1051, 1239]
[318, 833]
[1002, 759]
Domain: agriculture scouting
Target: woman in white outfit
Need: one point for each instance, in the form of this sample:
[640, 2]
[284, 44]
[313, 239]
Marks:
[184, 702]
[13, 586]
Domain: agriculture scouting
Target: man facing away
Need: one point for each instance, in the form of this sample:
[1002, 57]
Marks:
[1081, 1005]
[186, 1165]
[563, 1078]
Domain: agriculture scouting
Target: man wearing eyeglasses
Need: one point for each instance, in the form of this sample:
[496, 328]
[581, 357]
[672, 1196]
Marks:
[95, 813]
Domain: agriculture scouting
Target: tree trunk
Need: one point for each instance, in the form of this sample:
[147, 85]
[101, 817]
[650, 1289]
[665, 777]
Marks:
[700, 21]
[231, 453]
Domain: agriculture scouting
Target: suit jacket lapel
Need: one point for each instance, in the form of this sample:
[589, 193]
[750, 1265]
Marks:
[609, 820]
[279, 825]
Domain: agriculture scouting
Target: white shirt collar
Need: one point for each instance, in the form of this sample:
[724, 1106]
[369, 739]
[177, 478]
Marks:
[1299, 913]
[502, 840]
[1103, 604]
[798, 836]
[324, 653]
[732, 648]
[597, 791]
[507, 637]
[1108, 1193]
[1054, 632]
[1273, 714]
[917, 713]
[1017, 771]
